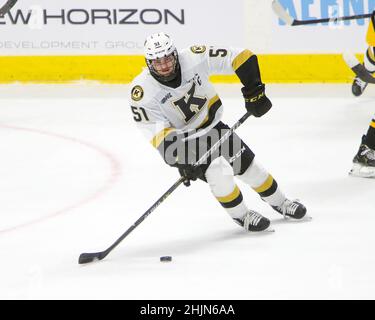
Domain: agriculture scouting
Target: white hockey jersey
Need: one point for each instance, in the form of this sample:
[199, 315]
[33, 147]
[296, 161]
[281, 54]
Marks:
[160, 110]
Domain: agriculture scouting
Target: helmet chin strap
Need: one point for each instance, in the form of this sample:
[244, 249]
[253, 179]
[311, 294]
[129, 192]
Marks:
[169, 77]
[162, 78]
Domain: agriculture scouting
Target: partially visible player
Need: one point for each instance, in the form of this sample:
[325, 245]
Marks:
[178, 109]
[358, 85]
[364, 160]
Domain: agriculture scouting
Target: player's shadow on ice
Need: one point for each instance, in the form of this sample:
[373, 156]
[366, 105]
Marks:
[281, 221]
[189, 245]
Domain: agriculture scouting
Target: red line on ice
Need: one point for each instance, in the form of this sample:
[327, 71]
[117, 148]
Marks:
[113, 177]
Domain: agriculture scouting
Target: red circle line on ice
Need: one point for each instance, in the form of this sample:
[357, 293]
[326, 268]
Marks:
[111, 180]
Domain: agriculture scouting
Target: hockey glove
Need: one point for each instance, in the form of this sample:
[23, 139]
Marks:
[256, 101]
[189, 172]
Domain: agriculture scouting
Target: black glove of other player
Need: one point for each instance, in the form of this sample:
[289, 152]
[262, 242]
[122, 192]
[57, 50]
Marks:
[189, 172]
[256, 101]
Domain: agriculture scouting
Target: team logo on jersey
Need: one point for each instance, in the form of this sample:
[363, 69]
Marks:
[137, 93]
[198, 49]
[190, 104]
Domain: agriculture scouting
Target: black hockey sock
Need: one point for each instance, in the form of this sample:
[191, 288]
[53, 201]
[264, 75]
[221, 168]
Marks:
[370, 136]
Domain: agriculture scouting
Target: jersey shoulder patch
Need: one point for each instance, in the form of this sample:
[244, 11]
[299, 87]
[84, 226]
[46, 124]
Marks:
[198, 49]
[137, 93]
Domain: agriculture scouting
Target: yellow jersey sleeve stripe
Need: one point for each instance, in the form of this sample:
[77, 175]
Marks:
[241, 58]
[158, 139]
[372, 124]
[230, 197]
[265, 186]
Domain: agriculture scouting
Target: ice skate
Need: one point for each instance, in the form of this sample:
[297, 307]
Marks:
[292, 209]
[364, 162]
[358, 86]
[253, 221]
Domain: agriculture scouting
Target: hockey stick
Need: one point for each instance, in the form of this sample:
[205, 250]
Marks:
[7, 6]
[90, 257]
[288, 19]
[358, 68]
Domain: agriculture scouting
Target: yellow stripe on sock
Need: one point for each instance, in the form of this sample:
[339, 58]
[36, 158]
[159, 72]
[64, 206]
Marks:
[230, 197]
[265, 186]
[372, 124]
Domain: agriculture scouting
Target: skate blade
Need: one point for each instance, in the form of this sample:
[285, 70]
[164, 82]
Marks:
[360, 171]
[268, 230]
[306, 218]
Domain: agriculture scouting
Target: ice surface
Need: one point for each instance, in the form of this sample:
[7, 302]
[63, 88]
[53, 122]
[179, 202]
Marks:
[75, 174]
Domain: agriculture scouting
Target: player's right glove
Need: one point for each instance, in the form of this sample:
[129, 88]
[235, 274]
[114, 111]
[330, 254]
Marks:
[256, 101]
[189, 172]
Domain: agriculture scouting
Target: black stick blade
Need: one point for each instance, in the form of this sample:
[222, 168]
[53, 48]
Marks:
[89, 257]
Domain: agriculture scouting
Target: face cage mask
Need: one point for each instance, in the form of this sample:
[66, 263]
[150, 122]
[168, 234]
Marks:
[168, 78]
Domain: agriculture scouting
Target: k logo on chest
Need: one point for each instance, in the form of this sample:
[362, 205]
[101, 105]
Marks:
[190, 104]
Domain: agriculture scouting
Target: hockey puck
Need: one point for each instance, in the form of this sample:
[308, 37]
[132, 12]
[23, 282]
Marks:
[166, 259]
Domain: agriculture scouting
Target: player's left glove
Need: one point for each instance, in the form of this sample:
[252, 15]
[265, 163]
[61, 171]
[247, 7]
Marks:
[256, 101]
[189, 172]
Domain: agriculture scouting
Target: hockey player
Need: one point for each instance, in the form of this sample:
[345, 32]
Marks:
[364, 160]
[176, 106]
[358, 85]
